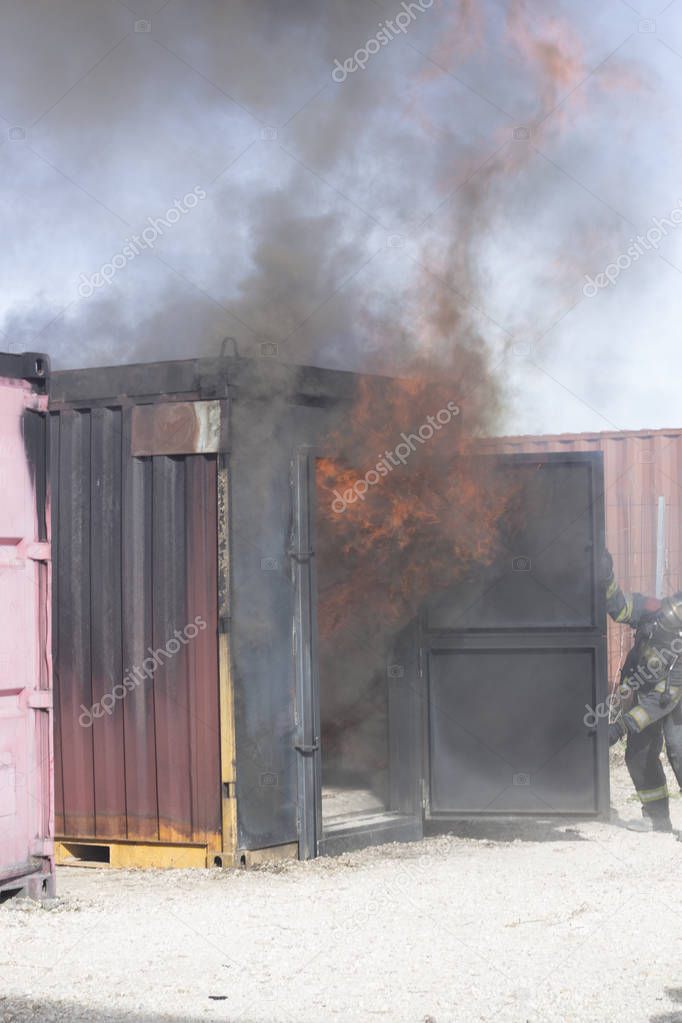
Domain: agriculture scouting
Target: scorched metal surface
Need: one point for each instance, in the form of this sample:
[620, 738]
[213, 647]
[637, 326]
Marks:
[138, 735]
[138, 556]
[221, 747]
[515, 657]
[509, 661]
[641, 469]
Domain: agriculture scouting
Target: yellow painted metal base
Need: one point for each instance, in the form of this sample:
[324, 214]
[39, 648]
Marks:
[78, 852]
[91, 852]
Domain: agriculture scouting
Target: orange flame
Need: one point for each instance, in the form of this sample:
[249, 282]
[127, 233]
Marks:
[417, 526]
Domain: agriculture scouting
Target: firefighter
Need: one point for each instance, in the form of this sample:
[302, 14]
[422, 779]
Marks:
[653, 674]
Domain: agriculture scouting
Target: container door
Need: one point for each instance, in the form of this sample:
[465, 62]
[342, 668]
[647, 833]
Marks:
[26, 817]
[139, 724]
[515, 657]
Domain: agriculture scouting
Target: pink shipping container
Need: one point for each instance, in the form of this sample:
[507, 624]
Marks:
[643, 502]
[26, 761]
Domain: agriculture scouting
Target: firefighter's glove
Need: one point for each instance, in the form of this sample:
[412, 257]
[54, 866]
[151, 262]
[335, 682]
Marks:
[606, 568]
[616, 732]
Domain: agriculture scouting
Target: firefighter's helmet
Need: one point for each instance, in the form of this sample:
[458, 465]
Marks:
[670, 615]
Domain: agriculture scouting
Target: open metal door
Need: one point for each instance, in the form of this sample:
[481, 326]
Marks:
[26, 802]
[486, 703]
[515, 657]
[398, 814]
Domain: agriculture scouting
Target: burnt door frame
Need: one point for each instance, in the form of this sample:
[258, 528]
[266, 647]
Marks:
[536, 638]
[306, 663]
[404, 820]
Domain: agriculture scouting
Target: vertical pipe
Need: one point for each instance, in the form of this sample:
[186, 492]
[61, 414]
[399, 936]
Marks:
[660, 547]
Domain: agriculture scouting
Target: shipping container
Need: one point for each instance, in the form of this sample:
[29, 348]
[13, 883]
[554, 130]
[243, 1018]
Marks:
[642, 478]
[194, 722]
[26, 764]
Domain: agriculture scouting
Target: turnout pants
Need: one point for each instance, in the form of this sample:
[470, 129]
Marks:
[648, 724]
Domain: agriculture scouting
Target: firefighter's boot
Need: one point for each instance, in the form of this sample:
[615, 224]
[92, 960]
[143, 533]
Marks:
[655, 817]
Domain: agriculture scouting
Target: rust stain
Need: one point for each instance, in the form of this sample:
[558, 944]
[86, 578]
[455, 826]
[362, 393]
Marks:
[176, 428]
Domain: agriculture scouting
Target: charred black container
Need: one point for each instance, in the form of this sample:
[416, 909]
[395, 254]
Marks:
[187, 688]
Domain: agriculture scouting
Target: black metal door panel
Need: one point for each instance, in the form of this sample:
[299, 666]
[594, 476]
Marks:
[521, 751]
[544, 577]
[515, 656]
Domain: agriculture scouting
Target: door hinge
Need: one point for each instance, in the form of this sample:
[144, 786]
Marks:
[302, 557]
[307, 750]
[36, 402]
[40, 699]
[14, 552]
[34, 550]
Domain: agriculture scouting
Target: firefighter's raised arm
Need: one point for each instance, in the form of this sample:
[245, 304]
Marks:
[625, 608]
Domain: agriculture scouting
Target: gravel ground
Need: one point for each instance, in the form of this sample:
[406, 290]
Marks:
[532, 922]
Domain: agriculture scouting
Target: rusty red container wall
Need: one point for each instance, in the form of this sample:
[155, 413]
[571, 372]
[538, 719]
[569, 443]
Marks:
[639, 467]
[26, 768]
[137, 736]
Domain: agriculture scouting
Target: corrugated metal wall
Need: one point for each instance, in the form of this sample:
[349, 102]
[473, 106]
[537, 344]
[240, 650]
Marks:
[135, 559]
[274, 409]
[26, 798]
[639, 467]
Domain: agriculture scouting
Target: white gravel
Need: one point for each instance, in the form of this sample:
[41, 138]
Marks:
[529, 922]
